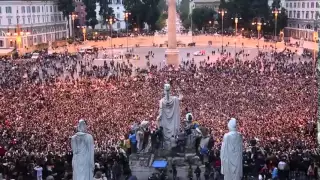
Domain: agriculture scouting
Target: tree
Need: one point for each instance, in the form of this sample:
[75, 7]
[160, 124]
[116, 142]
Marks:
[66, 7]
[202, 16]
[184, 13]
[160, 24]
[105, 11]
[136, 8]
[144, 11]
[248, 10]
[91, 17]
[153, 13]
[282, 16]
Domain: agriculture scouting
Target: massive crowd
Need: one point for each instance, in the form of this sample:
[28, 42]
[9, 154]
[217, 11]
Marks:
[274, 102]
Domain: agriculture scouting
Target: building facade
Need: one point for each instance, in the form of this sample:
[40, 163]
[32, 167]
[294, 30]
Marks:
[213, 4]
[119, 13]
[28, 23]
[303, 19]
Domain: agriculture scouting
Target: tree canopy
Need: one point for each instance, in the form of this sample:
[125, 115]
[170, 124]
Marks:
[252, 10]
[66, 7]
[91, 17]
[202, 16]
[145, 11]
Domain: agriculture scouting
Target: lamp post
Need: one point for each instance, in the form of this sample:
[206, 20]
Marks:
[110, 20]
[84, 31]
[73, 16]
[126, 16]
[315, 37]
[222, 12]
[259, 24]
[96, 36]
[191, 22]
[275, 12]
[235, 49]
[236, 20]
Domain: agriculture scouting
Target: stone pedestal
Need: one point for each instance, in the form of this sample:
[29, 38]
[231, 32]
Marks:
[173, 57]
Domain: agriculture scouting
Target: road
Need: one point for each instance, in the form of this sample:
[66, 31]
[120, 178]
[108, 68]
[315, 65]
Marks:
[159, 54]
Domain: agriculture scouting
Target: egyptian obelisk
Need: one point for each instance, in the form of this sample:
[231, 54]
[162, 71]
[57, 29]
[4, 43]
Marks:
[172, 51]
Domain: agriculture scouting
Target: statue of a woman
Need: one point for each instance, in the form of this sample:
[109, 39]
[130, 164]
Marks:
[82, 145]
[231, 153]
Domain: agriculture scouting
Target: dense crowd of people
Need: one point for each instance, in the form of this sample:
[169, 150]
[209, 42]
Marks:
[274, 102]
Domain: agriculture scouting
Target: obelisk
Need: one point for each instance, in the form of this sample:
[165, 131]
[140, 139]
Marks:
[172, 51]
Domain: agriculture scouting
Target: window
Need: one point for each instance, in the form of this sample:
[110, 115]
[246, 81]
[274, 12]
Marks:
[302, 15]
[0, 10]
[8, 9]
[290, 5]
[298, 4]
[1, 43]
[28, 9]
[303, 5]
[294, 5]
[23, 20]
[17, 20]
[312, 4]
[42, 9]
[33, 9]
[307, 14]
[294, 14]
[29, 20]
[118, 15]
[23, 9]
[290, 14]
[0, 21]
[38, 19]
[298, 14]
[46, 8]
[9, 21]
[311, 15]
[38, 9]
[318, 5]
[43, 19]
[33, 19]
[307, 4]
[50, 8]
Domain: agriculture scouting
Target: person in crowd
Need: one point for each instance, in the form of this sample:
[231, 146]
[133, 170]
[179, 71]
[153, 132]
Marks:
[41, 101]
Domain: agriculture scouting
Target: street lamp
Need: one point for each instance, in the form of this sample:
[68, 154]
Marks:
[84, 31]
[275, 12]
[96, 36]
[73, 16]
[315, 37]
[126, 16]
[111, 21]
[222, 12]
[235, 49]
[258, 24]
[191, 25]
[236, 20]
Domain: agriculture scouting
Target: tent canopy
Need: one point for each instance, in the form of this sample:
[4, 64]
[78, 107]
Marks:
[159, 164]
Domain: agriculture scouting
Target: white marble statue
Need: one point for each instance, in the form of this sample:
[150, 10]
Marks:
[231, 153]
[169, 117]
[82, 145]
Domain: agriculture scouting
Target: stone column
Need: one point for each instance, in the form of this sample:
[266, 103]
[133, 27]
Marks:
[172, 51]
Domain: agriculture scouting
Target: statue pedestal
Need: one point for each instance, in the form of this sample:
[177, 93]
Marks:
[173, 57]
